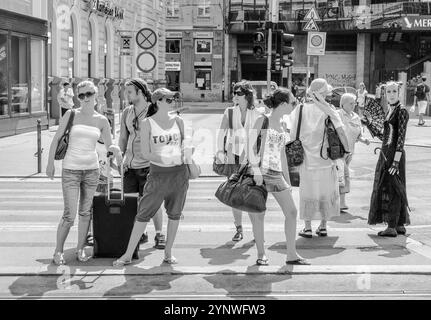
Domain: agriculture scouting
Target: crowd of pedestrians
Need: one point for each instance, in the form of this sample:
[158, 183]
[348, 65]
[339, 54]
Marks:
[153, 153]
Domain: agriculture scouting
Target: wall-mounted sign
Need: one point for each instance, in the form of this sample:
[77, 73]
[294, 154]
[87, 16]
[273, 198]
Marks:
[105, 8]
[146, 62]
[174, 35]
[203, 64]
[217, 56]
[173, 66]
[416, 23]
[126, 45]
[203, 34]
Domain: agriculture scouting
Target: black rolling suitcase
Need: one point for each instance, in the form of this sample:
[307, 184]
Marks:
[113, 218]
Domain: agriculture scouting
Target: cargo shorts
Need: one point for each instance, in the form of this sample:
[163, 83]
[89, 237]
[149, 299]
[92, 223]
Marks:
[168, 184]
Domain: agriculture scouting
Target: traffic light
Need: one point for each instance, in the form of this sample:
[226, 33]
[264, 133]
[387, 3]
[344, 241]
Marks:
[286, 49]
[277, 62]
[259, 44]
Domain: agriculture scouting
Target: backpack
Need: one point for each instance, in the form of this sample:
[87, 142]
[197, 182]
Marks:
[420, 92]
[335, 147]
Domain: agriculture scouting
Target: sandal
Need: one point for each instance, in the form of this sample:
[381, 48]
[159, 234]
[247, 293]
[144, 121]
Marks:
[306, 233]
[262, 262]
[300, 261]
[58, 259]
[121, 263]
[238, 235]
[81, 256]
[387, 233]
[321, 232]
[171, 260]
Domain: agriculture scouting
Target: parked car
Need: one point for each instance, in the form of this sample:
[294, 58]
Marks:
[338, 92]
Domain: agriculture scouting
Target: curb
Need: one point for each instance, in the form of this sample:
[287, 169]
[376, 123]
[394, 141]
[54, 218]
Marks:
[136, 270]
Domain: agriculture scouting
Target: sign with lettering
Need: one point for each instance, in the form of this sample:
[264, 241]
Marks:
[416, 23]
[172, 66]
[105, 8]
[126, 43]
[203, 35]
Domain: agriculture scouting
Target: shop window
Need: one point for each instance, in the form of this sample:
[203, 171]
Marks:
[38, 76]
[203, 79]
[19, 75]
[4, 103]
[172, 8]
[203, 46]
[173, 46]
[204, 8]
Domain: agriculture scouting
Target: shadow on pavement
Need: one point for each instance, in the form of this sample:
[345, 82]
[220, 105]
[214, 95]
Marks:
[346, 217]
[142, 284]
[227, 254]
[239, 285]
[311, 248]
[394, 247]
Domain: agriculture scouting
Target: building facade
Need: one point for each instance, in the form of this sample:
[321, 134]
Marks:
[97, 39]
[195, 48]
[367, 40]
[23, 65]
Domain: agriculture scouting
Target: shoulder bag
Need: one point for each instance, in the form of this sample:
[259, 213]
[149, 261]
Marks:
[294, 149]
[63, 142]
[335, 147]
[193, 168]
[224, 168]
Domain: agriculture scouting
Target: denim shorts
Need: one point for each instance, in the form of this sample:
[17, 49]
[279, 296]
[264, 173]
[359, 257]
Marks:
[168, 185]
[274, 181]
[79, 187]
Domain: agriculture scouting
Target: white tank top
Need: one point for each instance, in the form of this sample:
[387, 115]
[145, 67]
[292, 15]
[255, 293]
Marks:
[81, 153]
[274, 145]
[166, 143]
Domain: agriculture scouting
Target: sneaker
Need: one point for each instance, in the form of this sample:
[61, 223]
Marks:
[306, 233]
[144, 238]
[160, 241]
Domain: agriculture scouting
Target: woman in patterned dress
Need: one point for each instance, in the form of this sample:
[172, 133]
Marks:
[389, 198]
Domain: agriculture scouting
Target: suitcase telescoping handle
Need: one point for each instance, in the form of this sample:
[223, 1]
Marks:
[109, 200]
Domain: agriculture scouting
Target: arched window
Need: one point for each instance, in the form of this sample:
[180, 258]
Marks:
[70, 51]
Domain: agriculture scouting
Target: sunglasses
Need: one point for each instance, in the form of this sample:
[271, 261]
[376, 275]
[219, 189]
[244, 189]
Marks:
[239, 93]
[89, 94]
[168, 101]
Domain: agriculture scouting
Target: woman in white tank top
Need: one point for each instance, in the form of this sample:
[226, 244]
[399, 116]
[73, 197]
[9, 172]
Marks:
[162, 137]
[80, 172]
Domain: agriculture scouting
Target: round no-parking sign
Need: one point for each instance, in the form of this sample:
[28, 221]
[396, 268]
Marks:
[146, 38]
[146, 62]
[316, 43]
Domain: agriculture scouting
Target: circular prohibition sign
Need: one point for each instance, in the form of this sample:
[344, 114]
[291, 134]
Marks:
[146, 38]
[316, 40]
[146, 61]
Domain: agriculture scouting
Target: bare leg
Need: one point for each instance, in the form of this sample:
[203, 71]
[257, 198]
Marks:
[290, 212]
[257, 221]
[158, 220]
[237, 216]
[83, 226]
[138, 230]
[171, 234]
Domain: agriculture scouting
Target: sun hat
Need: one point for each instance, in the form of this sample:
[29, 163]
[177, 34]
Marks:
[321, 86]
[161, 93]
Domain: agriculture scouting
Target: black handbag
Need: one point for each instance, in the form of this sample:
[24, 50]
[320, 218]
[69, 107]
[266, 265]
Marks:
[335, 148]
[63, 142]
[241, 192]
[224, 168]
[294, 149]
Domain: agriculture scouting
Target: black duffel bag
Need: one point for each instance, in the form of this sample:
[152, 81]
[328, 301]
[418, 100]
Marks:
[241, 192]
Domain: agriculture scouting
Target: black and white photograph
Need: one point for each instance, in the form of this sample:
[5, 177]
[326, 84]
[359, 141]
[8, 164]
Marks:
[214, 156]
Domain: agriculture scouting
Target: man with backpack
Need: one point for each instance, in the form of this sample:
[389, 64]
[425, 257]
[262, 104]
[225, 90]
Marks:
[421, 99]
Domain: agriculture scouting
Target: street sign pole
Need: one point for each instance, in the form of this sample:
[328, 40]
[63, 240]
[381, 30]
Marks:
[308, 72]
[268, 66]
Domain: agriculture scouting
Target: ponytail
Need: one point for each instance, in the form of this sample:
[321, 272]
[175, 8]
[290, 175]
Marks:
[152, 109]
